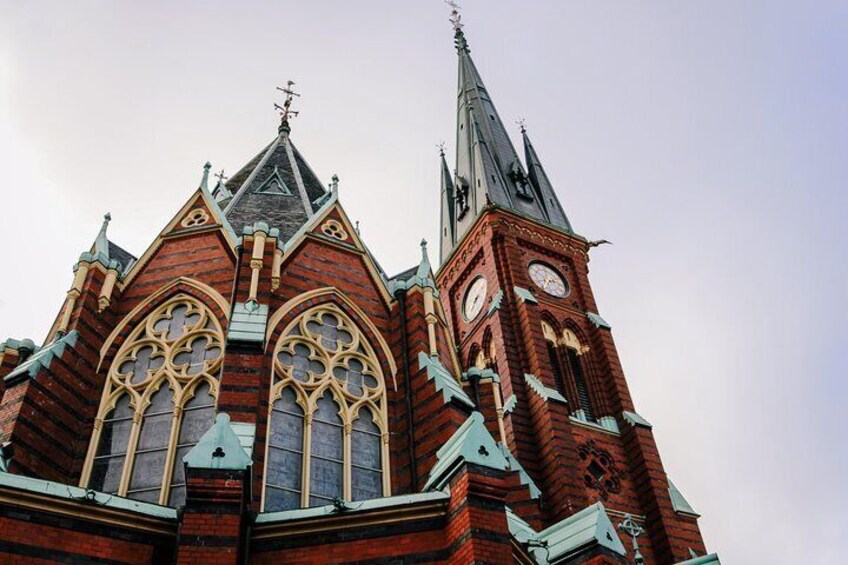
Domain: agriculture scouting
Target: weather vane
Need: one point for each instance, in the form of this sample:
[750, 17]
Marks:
[455, 17]
[285, 110]
[441, 147]
[220, 176]
[521, 123]
[634, 530]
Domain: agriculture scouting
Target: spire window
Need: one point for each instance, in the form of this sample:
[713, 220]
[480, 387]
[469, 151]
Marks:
[328, 436]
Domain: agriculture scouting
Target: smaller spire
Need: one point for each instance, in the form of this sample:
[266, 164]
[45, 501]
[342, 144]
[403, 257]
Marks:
[424, 268]
[101, 244]
[204, 182]
[285, 110]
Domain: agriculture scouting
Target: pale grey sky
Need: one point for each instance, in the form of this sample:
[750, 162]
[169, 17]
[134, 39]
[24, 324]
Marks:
[707, 139]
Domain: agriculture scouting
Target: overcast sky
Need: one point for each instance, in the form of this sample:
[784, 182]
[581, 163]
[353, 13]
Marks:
[706, 139]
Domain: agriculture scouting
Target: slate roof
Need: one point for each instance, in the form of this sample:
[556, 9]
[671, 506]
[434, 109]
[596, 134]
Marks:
[122, 256]
[277, 186]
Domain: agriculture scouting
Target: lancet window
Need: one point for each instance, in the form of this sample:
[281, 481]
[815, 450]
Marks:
[327, 437]
[565, 356]
[158, 401]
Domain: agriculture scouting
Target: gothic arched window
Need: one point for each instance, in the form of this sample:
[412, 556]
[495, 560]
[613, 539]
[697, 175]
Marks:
[564, 354]
[327, 432]
[158, 401]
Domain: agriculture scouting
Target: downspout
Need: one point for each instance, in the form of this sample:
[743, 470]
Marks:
[404, 340]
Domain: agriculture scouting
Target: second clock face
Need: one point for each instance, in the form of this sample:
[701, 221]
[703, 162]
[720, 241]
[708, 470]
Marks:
[475, 298]
[548, 279]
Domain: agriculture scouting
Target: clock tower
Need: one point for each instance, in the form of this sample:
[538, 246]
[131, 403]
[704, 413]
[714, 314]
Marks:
[535, 351]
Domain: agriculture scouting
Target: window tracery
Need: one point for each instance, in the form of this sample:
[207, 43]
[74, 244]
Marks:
[158, 400]
[328, 436]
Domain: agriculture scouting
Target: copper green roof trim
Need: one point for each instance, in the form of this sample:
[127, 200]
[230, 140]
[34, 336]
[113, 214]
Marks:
[443, 379]
[67, 492]
[514, 465]
[525, 295]
[598, 321]
[635, 419]
[219, 448]
[678, 502]
[545, 392]
[495, 303]
[354, 507]
[42, 358]
[248, 324]
[510, 403]
[472, 444]
[711, 559]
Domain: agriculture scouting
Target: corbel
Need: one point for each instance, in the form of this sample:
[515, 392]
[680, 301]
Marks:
[276, 267]
[431, 318]
[499, 409]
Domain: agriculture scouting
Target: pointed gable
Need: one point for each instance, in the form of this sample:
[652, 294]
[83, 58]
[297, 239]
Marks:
[276, 187]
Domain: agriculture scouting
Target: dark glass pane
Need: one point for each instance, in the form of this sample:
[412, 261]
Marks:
[200, 351]
[555, 367]
[284, 469]
[366, 484]
[286, 428]
[178, 476]
[114, 436]
[106, 474]
[325, 467]
[156, 425]
[145, 495]
[277, 500]
[300, 363]
[177, 496]
[148, 469]
[366, 468]
[198, 416]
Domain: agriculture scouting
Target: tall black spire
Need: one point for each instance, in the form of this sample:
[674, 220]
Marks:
[488, 169]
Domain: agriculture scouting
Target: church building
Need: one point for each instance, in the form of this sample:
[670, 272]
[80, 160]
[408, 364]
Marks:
[253, 388]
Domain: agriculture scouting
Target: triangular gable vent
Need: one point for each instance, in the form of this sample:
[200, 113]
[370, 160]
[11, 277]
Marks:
[274, 184]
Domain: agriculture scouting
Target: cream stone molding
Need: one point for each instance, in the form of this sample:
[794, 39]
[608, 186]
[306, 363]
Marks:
[167, 338]
[190, 204]
[499, 409]
[276, 267]
[156, 297]
[332, 228]
[305, 232]
[284, 310]
[308, 387]
[431, 318]
[106, 290]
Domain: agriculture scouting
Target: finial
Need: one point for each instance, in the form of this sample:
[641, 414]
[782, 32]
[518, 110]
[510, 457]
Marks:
[285, 110]
[204, 182]
[424, 246]
[334, 183]
[441, 147]
[356, 228]
[101, 244]
[634, 530]
[221, 178]
[456, 20]
[521, 123]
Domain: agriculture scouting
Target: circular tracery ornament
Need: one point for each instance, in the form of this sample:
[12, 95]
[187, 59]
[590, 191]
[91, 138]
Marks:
[196, 217]
[334, 229]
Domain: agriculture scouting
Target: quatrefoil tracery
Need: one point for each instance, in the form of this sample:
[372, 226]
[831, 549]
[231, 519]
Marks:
[179, 342]
[323, 349]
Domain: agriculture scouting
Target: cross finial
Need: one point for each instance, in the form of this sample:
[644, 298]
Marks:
[441, 147]
[455, 17]
[634, 530]
[285, 110]
[220, 176]
[522, 124]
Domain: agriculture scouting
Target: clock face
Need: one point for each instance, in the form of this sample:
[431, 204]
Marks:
[475, 297]
[548, 280]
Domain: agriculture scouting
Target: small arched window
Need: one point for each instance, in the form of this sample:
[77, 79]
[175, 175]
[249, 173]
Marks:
[327, 434]
[573, 352]
[158, 401]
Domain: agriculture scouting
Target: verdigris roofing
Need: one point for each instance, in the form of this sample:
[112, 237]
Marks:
[277, 186]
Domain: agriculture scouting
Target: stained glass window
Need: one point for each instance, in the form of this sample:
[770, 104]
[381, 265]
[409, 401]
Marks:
[285, 454]
[323, 359]
[109, 461]
[176, 349]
